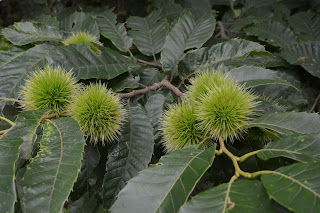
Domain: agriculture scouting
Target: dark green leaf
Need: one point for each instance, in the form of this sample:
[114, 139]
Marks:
[297, 187]
[22, 33]
[170, 10]
[255, 76]
[117, 33]
[25, 127]
[260, 60]
[189, 32]
[16, 66]
[148, 33]
[222, 52]
[79, 21]
[85, 63]
[47, 20]
[167, 185]
[305, 54]
[85, 204]
[50, 176]
[274, 33]
[9, 152]
[124, 82]
[130, 155]
[288, 122]
[304, 148]
[243, 196]
[306, 25]
[154, 106]
[149, 76]
[89, 162]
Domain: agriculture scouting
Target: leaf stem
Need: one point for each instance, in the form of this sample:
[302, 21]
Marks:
[204, 140]
[7, 120]
[315, 103]
[225, 150]
[256, 174]
[150, 63]
[248, 155]
[234, 159]
[219, 152]
[227, 198]
[3, 131]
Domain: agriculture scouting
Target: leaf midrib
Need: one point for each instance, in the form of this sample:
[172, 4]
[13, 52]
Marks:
[187, 165]
[59, 164]
[295, 181]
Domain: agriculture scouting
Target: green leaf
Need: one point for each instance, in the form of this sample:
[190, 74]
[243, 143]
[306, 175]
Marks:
[47, 20]
[22, 33]
[189, 32]
[255, 76]
[25, 127]
[274, 33]
[306, 25]
[124, 82]
[304, 148]
[154, 107]
[234, 49]
[243, 196]
[85, 63]
[130, 155]
[50, 176]
[9, 152]
[10, 145]
[15, 66]
[79, 21]
[85, 204]
[149, 76]
[165, 186]
[296, 186]
[305, 54]
[288, 122]
[89, 162]
[148, 33]
[114, 31]
[170, 10]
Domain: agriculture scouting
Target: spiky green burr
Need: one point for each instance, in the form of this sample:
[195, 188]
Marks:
[225, 109]
[180, 127]
[99, 113]
[81, 37]
[204, 81]
[48, 88]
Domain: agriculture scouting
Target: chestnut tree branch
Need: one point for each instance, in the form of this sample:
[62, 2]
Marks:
[315, 103]
[150, 63]
[165, 82]
[222, 30]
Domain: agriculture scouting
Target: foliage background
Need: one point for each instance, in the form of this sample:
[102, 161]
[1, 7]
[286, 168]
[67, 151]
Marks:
[279, 57]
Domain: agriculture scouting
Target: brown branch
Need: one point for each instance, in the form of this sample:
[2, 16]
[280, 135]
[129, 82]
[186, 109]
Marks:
[165, 82]
[150, 63]
[315, 103]
[222, 30]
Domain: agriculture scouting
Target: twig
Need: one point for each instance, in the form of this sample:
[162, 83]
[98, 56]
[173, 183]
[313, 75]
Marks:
[3, 131]
[165, 82]
[150, 63]
[315, 103]
[222, 30]
[130, 52]
[7, 120]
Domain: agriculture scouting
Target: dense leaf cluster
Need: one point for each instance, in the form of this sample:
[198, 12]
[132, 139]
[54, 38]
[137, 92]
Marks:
[269, 47]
